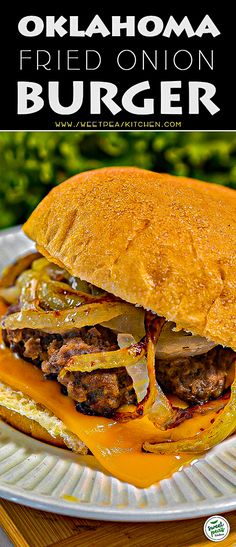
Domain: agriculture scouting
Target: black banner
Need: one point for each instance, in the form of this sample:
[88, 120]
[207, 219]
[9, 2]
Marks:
[159, 70]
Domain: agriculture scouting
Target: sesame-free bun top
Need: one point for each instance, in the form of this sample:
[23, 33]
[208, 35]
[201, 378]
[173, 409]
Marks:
[167, 243]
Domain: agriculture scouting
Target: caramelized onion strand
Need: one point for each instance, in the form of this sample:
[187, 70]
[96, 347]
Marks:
[88, 362]
[10, 273]
[64, 320]
[222, 427]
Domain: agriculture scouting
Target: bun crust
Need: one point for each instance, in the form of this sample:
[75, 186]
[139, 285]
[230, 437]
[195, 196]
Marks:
[29, 427]
[167, 243]
[33, 419]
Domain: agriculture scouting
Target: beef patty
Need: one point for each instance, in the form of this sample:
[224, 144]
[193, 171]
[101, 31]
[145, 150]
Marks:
[194, 379]
[96, 393]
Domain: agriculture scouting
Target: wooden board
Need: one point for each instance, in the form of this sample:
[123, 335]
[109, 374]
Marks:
[31, 528]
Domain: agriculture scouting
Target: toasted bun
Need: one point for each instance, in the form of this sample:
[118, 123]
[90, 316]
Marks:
[23, 413]
[167, 243]
[29, 427]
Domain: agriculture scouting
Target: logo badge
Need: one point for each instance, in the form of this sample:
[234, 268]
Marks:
[216, 528]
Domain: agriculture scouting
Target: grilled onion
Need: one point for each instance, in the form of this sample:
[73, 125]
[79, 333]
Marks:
[153, 325]
[159, 411]
[132, 322]
[223, 426]
[10, 273]
[10, 294]
[138, 372]
[64, 320]
[162, 414]
[173, 344]
[200, 409]
[39, 264]
[56, 289]
[56, 295]
[88, 362]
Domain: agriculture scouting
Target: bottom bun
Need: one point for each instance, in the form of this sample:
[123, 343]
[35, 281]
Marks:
[31, 418]
[29, 427]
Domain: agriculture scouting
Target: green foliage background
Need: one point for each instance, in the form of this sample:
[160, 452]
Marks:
[32, 163]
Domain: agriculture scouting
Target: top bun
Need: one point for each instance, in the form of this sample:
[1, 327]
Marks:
[167, 243]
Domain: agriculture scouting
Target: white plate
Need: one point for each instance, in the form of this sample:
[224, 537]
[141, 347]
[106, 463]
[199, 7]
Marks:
[38, 475]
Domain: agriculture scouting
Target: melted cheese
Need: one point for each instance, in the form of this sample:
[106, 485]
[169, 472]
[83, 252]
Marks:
[116, 446]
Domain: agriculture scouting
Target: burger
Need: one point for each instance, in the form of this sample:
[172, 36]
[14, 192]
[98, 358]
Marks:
[119, 332]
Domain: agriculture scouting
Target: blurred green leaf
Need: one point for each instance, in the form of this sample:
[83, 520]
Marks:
[32, 163]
